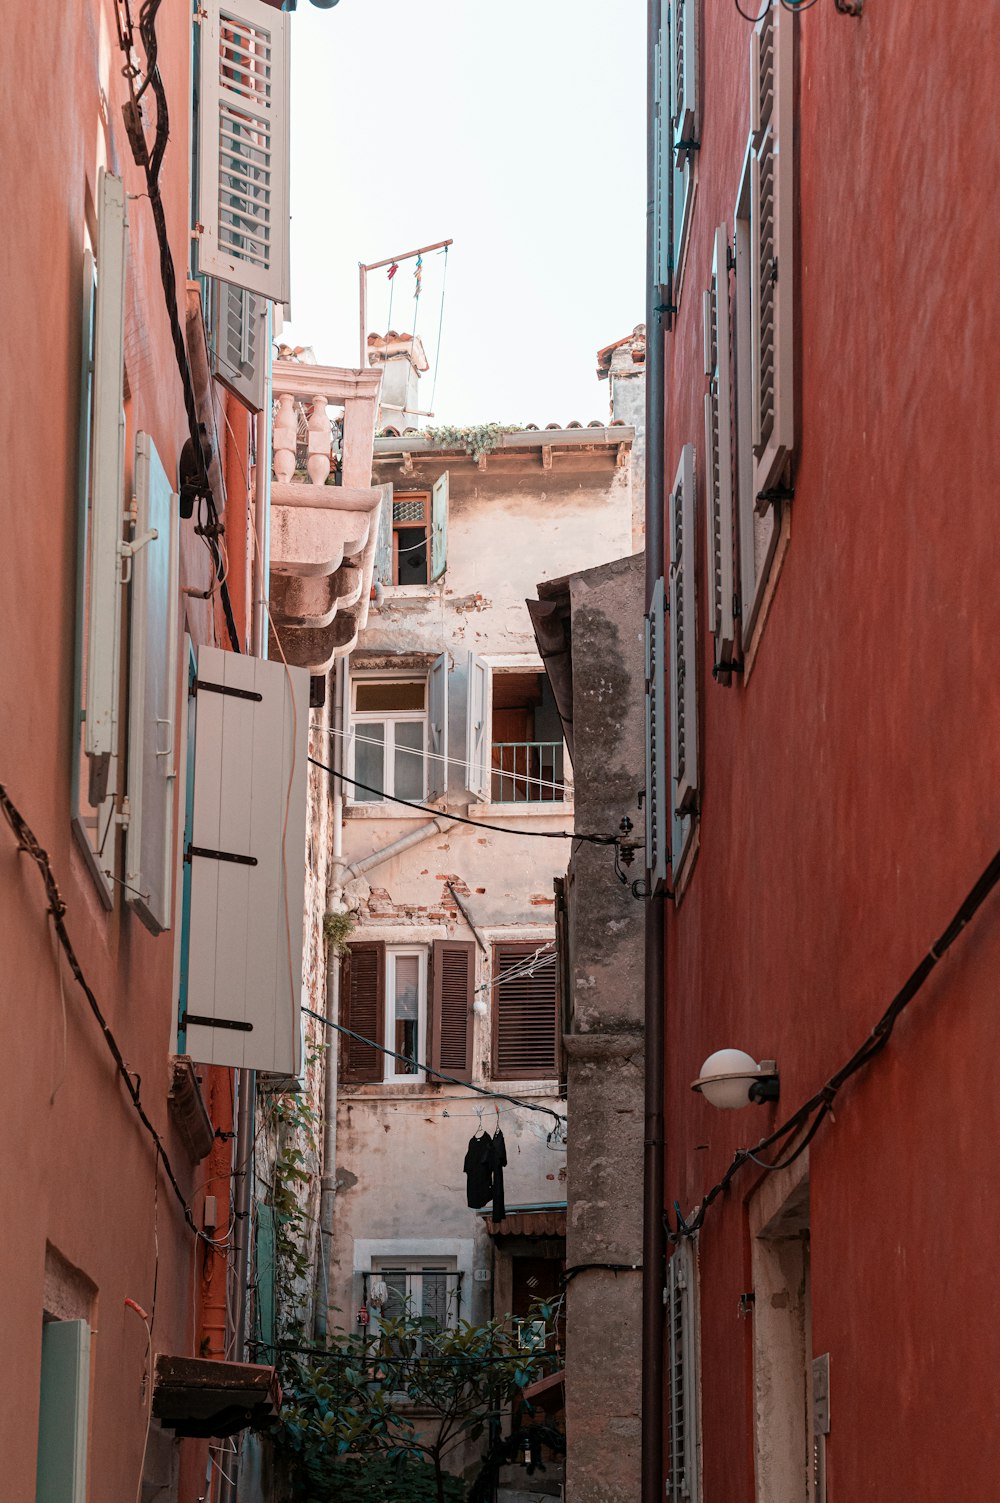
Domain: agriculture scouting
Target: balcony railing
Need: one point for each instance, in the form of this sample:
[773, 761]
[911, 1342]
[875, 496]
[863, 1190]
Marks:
[528, 772]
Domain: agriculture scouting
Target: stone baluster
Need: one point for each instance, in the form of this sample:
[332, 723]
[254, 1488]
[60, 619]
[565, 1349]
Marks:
[320, 440]
[284, 435]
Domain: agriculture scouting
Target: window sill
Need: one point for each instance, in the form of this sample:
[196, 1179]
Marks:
[388, 809]
[557, 809]
[410, 592]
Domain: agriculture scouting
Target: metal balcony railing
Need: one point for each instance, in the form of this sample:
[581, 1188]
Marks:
[528, 772]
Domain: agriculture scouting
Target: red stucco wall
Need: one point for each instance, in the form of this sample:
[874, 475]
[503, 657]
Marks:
[850, 790]
[79, 1172]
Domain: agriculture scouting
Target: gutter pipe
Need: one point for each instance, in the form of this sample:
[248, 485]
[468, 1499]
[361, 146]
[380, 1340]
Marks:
[334, 904]
[422, 832]
[653, 1231]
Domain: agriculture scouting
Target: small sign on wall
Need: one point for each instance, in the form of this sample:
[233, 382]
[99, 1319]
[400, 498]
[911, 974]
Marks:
[481, 1275]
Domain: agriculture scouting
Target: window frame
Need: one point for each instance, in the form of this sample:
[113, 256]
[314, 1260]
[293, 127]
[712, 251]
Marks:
[398, 498]
[444, 1263]
[392, 1070]
[389, 718]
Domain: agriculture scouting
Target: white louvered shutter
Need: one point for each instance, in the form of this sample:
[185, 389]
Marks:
[683, 76]
[478, 752]
[719, 461]
[439, 527]
[437, 728]
[382, 570]
[247, 856]
[682, 1383]
[244, 146]
[683, 642]
[107, 460]
[241, 352]
[772, 218]
[152, 747]
[656, 759]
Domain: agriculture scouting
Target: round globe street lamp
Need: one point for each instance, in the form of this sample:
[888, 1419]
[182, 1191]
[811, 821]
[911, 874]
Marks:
[731, 1078]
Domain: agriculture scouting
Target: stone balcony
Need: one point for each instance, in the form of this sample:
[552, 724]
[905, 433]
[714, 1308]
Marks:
[323, 536]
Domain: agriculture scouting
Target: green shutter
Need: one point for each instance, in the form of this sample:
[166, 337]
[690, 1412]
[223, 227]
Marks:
[265, 1261]
[439, 527]
[61, 1476]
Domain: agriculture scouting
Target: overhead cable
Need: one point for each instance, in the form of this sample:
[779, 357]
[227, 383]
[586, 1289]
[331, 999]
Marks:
[812, 1112]
[477, 824]
[408, 1059]
[27, 842]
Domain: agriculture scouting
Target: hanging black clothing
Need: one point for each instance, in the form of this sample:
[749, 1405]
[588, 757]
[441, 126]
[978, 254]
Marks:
[498, 1158]
[479, 1170]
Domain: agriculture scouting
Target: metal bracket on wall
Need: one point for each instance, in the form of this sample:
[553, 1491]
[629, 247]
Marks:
[849, 7]
[229, 689]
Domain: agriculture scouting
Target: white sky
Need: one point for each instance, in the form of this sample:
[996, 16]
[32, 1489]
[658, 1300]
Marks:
[515, 127]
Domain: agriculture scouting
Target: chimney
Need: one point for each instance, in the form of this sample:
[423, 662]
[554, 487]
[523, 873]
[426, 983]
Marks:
[403, 362]
[623, 365]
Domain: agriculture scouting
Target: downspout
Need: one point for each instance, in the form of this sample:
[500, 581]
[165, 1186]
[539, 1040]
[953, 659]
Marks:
[653, 1231]
[423, 832]
[334, 904]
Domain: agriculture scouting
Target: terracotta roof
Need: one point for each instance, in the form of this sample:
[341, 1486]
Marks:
[548, 1222]
[637, 341]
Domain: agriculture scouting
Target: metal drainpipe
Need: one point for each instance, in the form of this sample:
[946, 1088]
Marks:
[244, 1168]
[334, 902]
[653, 1233]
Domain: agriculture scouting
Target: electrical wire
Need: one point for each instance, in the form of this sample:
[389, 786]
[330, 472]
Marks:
[151, 164]
[813, 1112]
[408, 1059]
[414, 751]
[437, 352]
[477, 824]
[27, 842]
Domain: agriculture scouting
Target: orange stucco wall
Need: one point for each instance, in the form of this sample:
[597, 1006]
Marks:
[77, 1172]
[849, 786]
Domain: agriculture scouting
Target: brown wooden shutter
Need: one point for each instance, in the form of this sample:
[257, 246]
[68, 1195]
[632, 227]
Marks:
[453, 977]
[525, 1017]
[362, 1009]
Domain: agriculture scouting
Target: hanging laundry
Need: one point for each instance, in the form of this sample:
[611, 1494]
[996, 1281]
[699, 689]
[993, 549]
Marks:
[498, 1159]
[418, 277]
[392, 270]
[479, 1170]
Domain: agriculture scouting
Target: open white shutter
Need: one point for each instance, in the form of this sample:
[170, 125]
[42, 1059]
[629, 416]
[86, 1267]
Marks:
[439, 527]
[152, 748]
[107, 459]
[772, 212]
[437, 729]
[241, 353]
[243, 146]
[683, 655]
[478, 751]
[247, 856]
[719, 462]
[683, 76]
[382, 570]
[656, 770]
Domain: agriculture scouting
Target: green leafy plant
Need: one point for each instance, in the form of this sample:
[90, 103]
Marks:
[477, 440]
[337, 930]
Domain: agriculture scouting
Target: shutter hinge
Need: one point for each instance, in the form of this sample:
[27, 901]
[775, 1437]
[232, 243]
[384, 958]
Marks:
[200, 683]
[772, 496]
[729, 665]
[124, 815]
[200, 850]
[688, 143]
[236, 1024]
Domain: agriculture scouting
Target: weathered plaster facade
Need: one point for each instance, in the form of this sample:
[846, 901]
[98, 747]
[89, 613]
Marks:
[594, 626]
[544, 502]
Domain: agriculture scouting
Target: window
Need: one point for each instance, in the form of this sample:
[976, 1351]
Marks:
[411, 1000]
[657, 854]
[413, 535]
[679, 112]
[683, 660]
[428, 1288]
[398, 736]
[525, 1013]
[527, 751]
[719, 465]
[101, 506]
[514, 743]
[406, 1012]
[764, 254]
[683, 1470]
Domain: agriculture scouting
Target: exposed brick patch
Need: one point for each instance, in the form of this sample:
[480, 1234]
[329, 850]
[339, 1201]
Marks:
[538, 900]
